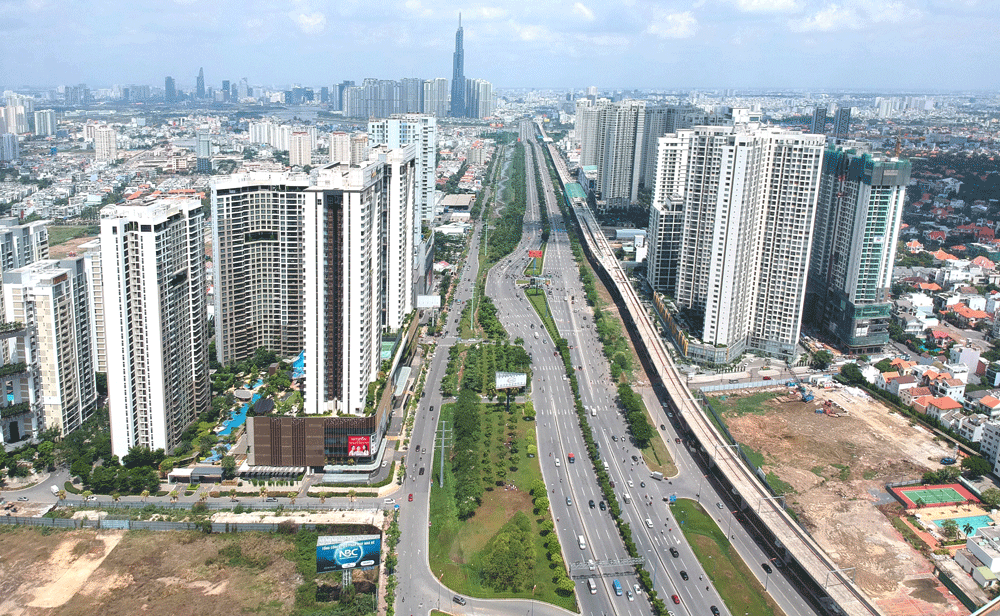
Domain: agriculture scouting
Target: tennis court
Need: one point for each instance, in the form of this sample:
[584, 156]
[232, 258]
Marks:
[933, 496]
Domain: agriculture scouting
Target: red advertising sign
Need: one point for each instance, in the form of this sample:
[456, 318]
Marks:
[535, 254]
[359, 446]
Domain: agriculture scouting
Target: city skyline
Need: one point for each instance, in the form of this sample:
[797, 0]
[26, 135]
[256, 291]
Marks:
[706, 43]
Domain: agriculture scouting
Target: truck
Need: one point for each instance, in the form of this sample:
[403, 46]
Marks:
[618, 587]
[657, 475]
[571, 458]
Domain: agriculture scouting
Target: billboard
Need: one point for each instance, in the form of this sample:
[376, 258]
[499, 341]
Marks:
[509, 380]
[359, 446]
[339, 552]
[535, 254]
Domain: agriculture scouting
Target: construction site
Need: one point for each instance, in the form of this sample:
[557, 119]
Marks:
[831, 450]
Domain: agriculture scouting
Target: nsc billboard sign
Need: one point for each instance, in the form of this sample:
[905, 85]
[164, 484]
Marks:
[339, 552]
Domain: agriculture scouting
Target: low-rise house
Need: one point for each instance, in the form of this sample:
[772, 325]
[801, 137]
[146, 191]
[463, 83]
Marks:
[950, 387]
[937, 406]
[901, 383]
[909, 397]
[971, 427]
[989, 405]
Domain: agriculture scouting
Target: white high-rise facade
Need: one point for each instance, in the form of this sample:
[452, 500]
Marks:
[734, 209]
[257, 243]
[45, 123]
[51, 299]
[22, 417]
[105, 143]
[437, 97]
[153, 262]
[420, 130]
[340, 147]
[357, 272]
[588, 120]
[300, 149]
[619, 152]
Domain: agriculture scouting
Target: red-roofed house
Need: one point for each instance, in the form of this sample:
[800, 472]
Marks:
[969, 317]
[914, 246]
[928, 286]
[984, 263]
[940, 255]
[920, 404]
[989, 406]
[939, 236]
[909, 396]
[937, 406]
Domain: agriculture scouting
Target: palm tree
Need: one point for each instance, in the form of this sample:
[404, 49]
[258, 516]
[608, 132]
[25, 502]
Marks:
[62, 495]
[173, 495]
[352, 495]
[292, 499]
[263, 492]
[232, 494]
[322, 497]
[144, 495]
[86, 494]
[967, 529]
[115, 496]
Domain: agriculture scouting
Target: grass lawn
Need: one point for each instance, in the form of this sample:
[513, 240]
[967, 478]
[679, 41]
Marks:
[741, 405]
[739, 589]
[455, 544]
[59, 234]
[536, 270]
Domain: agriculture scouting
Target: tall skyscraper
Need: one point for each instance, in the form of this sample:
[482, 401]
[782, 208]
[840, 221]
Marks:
[359, 148]
[458, 75]
[51, 299]
[357, 261]
[225, 90]
[203, 152]
[21, 412]
[738, 203]
[98, 335]
[478, 98]
[588, 119]
[45, 123]
[818, 125]
[9, 147]
[436, 101]
[169, 89]
[854, 246]
[200, 84]
[619, 152]
[421, 130]
[16, 112]
[257, 233]
[300, 149]
[153, 261]
[842, 123]
[105, 143]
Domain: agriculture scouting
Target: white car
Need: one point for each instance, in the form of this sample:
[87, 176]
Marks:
[636, 588]
[631, 597]
[558, 463]
[630, 484]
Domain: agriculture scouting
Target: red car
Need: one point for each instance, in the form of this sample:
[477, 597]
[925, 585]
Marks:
[767, 378]
[676, 599]
[411, 498]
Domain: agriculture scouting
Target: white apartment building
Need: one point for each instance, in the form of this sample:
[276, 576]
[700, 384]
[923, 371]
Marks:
[153, 270]
[20, 412]
[340, 148]
[398, 234]
[257, 249]
[99, 338]
[45, 123]
[51, 299]
[619, 152]
[588, 120]
[437, 97]
[105, 143]
[421, 130]
[748, 197]
[300, 149]
[349, 265]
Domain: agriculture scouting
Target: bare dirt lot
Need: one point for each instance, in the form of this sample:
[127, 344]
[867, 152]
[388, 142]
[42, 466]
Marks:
[84, 572]
[836, 469]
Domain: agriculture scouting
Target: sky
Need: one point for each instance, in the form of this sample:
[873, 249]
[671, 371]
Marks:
[917, 45]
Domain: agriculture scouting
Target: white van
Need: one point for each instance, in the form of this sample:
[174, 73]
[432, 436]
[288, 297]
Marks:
[592, 585]
[582, 542]
[626, 498]
[606, 467]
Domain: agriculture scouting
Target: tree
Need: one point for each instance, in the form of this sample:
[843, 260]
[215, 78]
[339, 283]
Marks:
[352, 494]
[144, 494]
[821, 360]
[950, 528]
[228, 467]
[263, 492]
[62, 495]
[883, 366]
[967, 529]
[232, 494]
[173, 495]
[976, 466]
[852, 373]
[990, 497]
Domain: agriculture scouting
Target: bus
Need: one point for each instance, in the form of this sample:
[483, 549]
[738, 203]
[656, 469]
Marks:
[592, 585]
[618, 587]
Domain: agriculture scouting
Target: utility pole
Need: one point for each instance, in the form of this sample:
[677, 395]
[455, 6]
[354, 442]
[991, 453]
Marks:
[445, 431]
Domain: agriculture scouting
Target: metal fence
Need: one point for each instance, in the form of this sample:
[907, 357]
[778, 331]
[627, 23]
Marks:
[218, 506]
[127, 524]
[751, 385]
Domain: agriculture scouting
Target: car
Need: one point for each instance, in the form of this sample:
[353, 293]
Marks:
[270, 499]
[591, 503]
[677, 440]
[767, 378]
[715, 610]
[385, 464]
[421, 471]
[410, 498]
[631, 597]
[91, 498]
[684, 575]
[662, 427]
[670, 415]
[459, 600]
[630, 484]
[614, 438]
[569, 501]
[948, 461]
[674, 552]
[389, 501]
[719, 505]
[642, 484]
[603, 506]
[637, 589]
[635, 459]
[22, 498]
[558, 463]
[766, 567]
[418, 447]
[677, 600]
[432, 408]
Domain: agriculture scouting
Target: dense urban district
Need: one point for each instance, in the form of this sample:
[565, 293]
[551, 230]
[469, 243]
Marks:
[423, 344]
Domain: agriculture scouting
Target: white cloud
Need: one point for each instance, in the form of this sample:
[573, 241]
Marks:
[310, 23]
[673, 25]
[415, 7]
[489, 12]
[767, 6]
[581, 10]
[532, 32]
[891, 12]
[833, 17]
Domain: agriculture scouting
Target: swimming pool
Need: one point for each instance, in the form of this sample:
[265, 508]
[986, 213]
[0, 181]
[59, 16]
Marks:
[238, 418]
[299, 365]
[975, 521]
